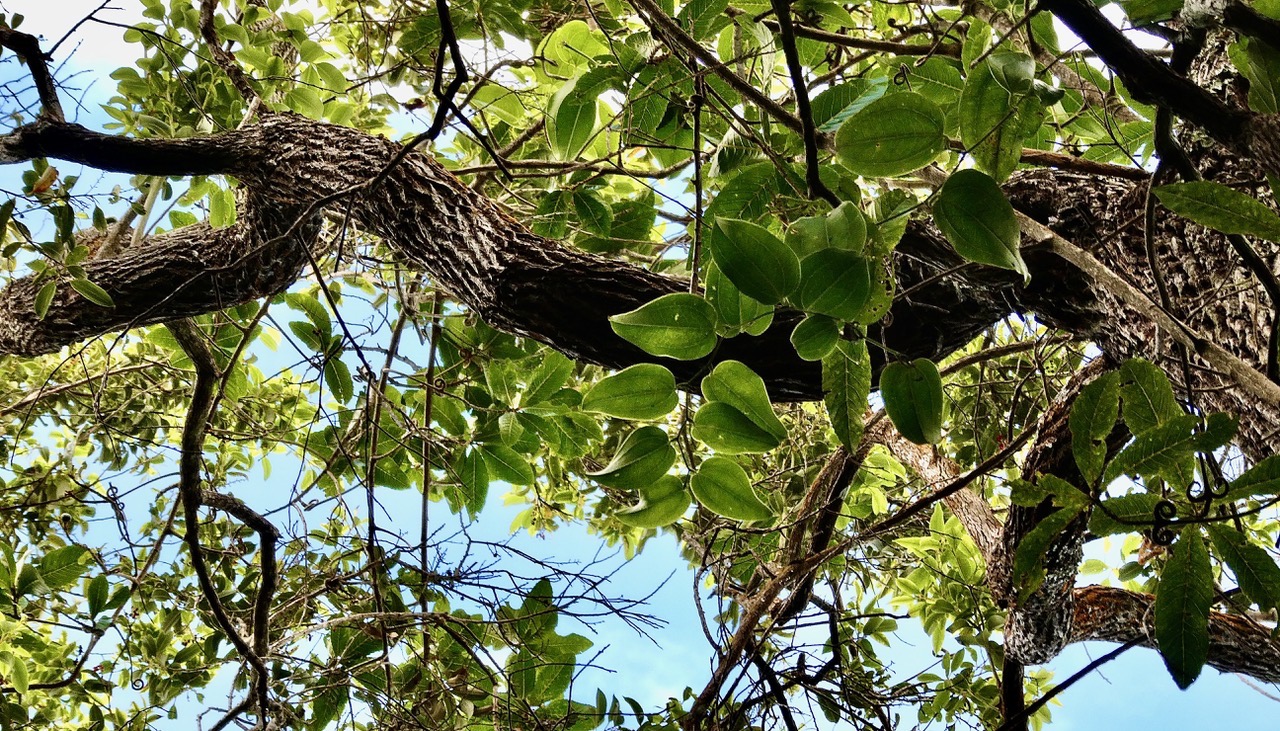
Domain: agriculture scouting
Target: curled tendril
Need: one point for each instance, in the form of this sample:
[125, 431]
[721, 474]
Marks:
[439, 384]
[113, 493]
[1198, 493]
[1166, 514]
[137, 684]
[1219, 488]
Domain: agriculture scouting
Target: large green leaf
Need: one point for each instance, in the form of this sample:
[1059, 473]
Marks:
[1255, 571]
[643, 391]
[735, 384]
[1165, 452]
[1183, 599]
[1124, 514]
[837, 103]
[505, 463]
[1261, 479]
[893, 135]
[63, 567]
[1146, 396]
[1218, 207]
[836, 283]
[979, 221]
[844, 227]
[729, 431]
[571, 119]
[722, 487]
[473, 478]
[755, 260]
[677, 325]
[644, 457]
[1093, 417]
[846, 384]
[661, 503]
[993, 121]
[1260, 64]
[912, 394]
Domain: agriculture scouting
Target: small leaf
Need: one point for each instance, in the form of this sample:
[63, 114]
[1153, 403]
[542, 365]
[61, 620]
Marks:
[1255, 571]
[661, 503]
[1093, 417]
[737, 312]
[722, 486]
[644, 457]
[644, 391]
[755, 260]
[97, 594]
[846, 384]
[92, 292]
[571, 119]
[738, 386]
[337, 376]
[1012, 70]
[1028, 562]
[1214, 205]
[893, 135]
[815, 337]
[729, 431]
[979, 221]
[17, 675]
[44, 298]
[1183, 599]
[836, 283]
[912, 394]
[677, 325]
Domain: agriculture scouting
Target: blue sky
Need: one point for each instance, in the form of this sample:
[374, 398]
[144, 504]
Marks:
[1133, 690]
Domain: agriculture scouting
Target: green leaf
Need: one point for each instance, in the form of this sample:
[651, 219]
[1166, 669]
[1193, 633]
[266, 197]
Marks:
[845, 227]
[993, 122]
[548, 377]
[846, 384]
[722, 486]
[756, 261]
[1146, 396]
[473, 478]
[305, 101]
[1261, 479]
[1093, 417]
[643, 391]
[737, 312]
[1167, 452]
[661, 503]
[1028, 561]
[97, 594]
[893, 135]
[571, 118]
[729, 431]
[594, 214]
[912, 394]
[677, 325]
[815, 337]
[1013, 71]
[738, 386]
[1145, 12]
[837, 103]
[62, 567]
[1183, 599]
[644, 457]
[17, 674]
[44, 298]
[92, 292]
[979, 221]
[337, 376]
[835, 282]
[1255, 571]
[551, 219]
[1124, 514]
[1260, 64]
[1214, 205]
[507, 464]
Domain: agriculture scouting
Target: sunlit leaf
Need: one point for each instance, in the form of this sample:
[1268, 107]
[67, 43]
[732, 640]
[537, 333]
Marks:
[722, 486]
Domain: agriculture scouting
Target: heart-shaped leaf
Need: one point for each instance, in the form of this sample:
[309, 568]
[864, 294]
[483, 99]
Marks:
[835, 282]
[755, 260]
[644, 457]
[912, 394]
[678, 325]
[729, 431]
[979, 221]
[643, 391]
[892, 135]
[738, 386]
[661, 503]
[722, 487]
[815, 337]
